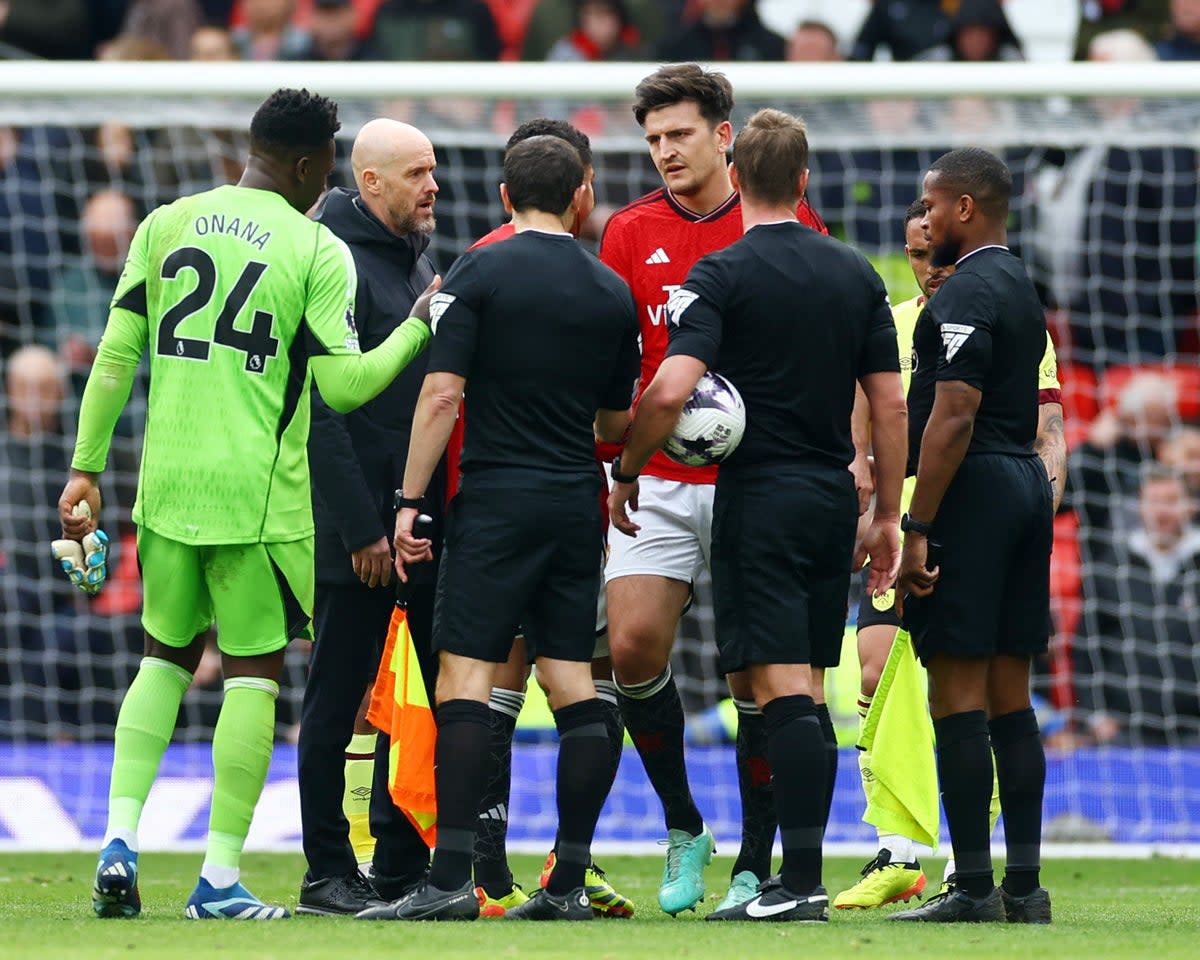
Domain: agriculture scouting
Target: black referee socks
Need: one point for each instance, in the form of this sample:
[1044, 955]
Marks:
[461, 776]
[583, 784]
[1021, 772]
[797, 754]
[964, 765]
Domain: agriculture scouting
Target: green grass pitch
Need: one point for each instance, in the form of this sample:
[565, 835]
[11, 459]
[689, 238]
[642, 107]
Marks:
[1103, 909]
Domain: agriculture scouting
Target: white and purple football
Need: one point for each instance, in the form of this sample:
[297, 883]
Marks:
[711, 424]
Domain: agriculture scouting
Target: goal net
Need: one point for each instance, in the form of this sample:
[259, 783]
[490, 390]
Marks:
[1104, 214]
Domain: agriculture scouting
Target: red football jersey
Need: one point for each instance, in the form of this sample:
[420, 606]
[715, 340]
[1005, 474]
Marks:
[653, 244]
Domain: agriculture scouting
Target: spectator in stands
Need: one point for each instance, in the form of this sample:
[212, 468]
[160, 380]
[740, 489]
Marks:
[213, 44]
[979, 33]
[58, 29]
[1147, 17]
[1103, 472]
[603, 30]
[906, 29]
[1181, 453]
[33, 453]
[332, 35]
[1137, 660]
[1183, 41]
[1116, 227]
[813, 42]
[168, 22]
[436, 30]
[269, 32]
[83, 291]
[33, 213]
[551, 20]
[724, 30]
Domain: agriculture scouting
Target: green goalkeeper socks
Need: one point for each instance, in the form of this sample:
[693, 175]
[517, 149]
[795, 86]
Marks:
[144, 729]
[241, 753]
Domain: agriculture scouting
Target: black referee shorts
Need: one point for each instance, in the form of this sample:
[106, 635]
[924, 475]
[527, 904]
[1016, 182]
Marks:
[782, 541]
[520, 558]
[992, 539]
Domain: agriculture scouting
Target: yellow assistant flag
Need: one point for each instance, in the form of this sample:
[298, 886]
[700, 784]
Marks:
[400, 708]
[898, 761]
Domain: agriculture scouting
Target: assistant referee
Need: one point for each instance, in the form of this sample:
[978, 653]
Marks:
[793, 318]
[976, 561]
[546, 336]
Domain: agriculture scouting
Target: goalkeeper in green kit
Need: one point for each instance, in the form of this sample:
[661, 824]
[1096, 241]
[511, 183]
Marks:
[237, 296]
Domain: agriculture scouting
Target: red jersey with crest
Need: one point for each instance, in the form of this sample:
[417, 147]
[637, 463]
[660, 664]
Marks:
[653, 243]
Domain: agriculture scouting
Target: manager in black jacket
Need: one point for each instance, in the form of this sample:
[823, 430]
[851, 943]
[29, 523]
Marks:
[357, 461]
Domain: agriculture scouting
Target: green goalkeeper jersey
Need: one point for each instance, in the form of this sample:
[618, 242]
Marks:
[234, 291]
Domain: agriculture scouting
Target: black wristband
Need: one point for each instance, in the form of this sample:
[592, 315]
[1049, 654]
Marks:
[401, 502]
[911, 525]
[618, 476]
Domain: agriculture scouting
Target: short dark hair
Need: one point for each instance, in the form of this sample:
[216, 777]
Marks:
[676, 82]
[545, 127]
[542, 173]
[293, 123]
[978, 174]
[770, 154]
[915, 211]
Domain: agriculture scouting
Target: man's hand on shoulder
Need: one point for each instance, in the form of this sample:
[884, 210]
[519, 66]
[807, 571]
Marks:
[420, 309]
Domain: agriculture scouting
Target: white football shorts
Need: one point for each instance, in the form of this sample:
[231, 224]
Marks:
[676, 536]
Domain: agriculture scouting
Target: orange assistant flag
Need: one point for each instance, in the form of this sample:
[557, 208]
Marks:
[400, 708]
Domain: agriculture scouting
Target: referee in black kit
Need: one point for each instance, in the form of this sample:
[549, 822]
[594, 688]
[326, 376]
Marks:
[794, 319]
[544, 337]
[976, 561]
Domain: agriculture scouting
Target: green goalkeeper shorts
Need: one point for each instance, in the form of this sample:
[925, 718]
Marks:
[259, 594]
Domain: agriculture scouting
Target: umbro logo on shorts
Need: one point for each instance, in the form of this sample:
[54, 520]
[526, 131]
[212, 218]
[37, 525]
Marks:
[658, 256]
[954, 335]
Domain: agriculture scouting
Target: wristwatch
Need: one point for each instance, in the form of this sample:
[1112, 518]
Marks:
[909, 524]
[618, 476]
[401, 502]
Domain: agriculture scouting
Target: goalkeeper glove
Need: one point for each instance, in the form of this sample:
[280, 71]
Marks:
[85, 563]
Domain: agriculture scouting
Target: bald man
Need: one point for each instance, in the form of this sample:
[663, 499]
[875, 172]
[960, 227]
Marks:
[356, 462]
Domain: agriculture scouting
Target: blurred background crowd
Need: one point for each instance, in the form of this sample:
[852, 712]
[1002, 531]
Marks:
[1107, 224]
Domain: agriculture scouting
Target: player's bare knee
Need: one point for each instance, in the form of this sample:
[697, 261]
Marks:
[770, 681]
[264, 666]
[869, 678]
[739, 685]
[464, 678]
[187, 657]
[565, 681]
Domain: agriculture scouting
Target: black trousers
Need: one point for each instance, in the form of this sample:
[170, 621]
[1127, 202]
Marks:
[350, 624]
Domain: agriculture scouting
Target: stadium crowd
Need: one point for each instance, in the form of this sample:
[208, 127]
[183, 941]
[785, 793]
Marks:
[1114, 257]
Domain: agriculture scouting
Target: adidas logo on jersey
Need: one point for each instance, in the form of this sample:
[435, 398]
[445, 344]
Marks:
[954, 335]
[658, 256]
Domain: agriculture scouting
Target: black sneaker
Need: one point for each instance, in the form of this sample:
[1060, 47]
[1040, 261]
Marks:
[336, 896]
[544, 905]
[952, 905]
[427, 902]
[775, 902]
[1031, 908]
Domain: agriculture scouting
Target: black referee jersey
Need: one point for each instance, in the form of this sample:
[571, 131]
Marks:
[792, 318]
[986, 327]
[545, 335]
[993, 532]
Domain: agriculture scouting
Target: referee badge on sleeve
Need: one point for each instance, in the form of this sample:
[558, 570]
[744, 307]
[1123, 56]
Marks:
[954, 335]
[679, 301]
[438, 305]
